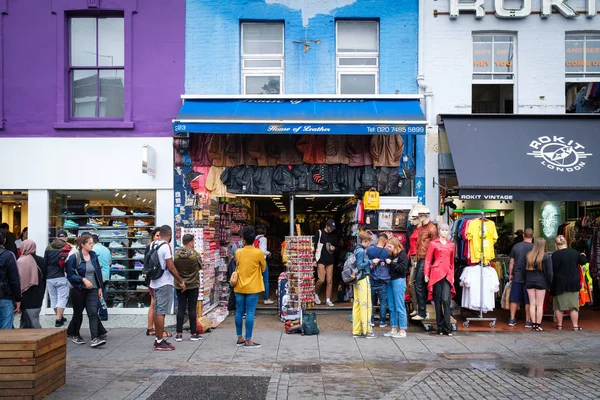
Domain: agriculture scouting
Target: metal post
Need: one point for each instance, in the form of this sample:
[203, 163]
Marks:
[292, 216]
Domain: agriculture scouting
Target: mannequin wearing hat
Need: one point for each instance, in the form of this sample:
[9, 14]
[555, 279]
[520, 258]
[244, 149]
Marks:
[427, 233]
[413, 233]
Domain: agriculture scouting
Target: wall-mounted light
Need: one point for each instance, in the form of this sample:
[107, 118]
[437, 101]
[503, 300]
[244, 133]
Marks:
[117, 194]
[125, 195]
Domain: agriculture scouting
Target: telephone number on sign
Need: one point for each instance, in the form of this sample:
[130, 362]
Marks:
[396, 129]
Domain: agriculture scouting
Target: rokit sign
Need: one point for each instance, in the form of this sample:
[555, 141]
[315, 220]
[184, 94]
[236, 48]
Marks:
[547, 6]
[559, 154]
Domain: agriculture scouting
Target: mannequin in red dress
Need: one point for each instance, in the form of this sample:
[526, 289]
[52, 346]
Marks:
[439, 275]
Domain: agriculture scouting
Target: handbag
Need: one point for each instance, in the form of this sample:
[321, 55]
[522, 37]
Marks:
[319, 248]
[233, 280]
[371, 199]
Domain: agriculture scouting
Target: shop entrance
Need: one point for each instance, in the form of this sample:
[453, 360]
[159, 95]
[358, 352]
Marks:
[15, 213]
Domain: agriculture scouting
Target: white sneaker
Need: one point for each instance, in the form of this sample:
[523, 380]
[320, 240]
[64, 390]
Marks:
[329, 303]
[138, 222]
[268, 301]
[390, 334]
[115, 245]
[138, 256]
[417, 318]
[317, 299]
[117, 212]
[397, 335]
[137, 245]
[412, 314]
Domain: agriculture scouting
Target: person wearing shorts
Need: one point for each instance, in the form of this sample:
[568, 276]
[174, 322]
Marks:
[164, 287]
[58, 288]
[516, 270]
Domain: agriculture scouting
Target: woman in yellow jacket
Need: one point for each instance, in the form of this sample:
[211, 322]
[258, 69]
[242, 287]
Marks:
[251, 264]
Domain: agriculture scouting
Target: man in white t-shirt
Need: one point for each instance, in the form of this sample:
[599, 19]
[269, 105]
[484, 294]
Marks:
[163, 286]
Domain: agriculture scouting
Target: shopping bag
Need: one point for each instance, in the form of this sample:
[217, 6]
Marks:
[203, 325]
[506, 297]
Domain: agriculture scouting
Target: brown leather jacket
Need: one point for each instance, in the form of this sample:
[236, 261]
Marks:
[386, 150]
[335, 150]
[357, 150]
[427, 233]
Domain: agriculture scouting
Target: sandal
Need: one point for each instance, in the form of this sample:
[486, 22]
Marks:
[577, 328]
[152, 332]
[559, 327]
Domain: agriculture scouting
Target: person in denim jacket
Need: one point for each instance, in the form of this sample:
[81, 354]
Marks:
[361, 308]
[85, 275]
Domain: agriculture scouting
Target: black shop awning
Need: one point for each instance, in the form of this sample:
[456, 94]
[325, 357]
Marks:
[526, 157]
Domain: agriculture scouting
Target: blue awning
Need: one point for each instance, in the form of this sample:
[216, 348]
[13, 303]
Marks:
[290, 115]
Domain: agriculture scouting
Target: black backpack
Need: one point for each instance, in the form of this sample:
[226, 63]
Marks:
[152, 268]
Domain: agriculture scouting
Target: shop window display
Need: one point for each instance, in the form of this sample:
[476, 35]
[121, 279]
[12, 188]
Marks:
[122, 220]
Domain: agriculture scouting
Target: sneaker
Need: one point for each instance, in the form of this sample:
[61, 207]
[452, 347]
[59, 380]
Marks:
[417, 318]
[116, 245]
[329, 303]
[137, 245]
[58, 323]
[67, 213]
[117, 267]
[141, 287]
[92, 212]
[96, 342]
[163, 346]
[195, 337]
[117, 213]
[142, 234]
[512, 322]
[140, 256]
[390, 334]
[358, 336]
[252, 345]
[268, 301]
[103, 337]
[528, 324]
[68, 223]
[78, 340]
[412, 314]
[239, 343]
[116, 277]
[382, 324]
[399, 335]
[371, 336]
[317, 299]
[119, 224]
[139, 213]
[139, 222]
[138, 265]
[71, 235]
[179, 337]
[93, 222]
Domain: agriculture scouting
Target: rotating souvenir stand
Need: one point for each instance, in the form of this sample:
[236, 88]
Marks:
[481, 266]
[300, 270]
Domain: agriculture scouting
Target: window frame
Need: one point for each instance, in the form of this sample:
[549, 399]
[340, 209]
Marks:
[97, 67]
[490, 80]
[63, 10]
[262, 71]
[595, 76]
[357, 69]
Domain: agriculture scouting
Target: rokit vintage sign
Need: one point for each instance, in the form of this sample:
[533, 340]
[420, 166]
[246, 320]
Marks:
[547, 6]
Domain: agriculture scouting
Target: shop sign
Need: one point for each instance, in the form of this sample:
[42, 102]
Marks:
[298, 129]
[486, 197]
[148, 160]
[547, 6]
[559, 154]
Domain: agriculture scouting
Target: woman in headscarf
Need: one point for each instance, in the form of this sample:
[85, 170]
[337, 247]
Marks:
[32, 274]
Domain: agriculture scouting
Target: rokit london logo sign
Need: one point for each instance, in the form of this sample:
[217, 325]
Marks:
[559, 154]
[547, 6]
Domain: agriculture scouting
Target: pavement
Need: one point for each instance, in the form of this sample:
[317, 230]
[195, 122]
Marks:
[334, 365]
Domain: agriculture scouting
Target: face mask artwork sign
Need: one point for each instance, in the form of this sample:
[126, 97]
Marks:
[547, 6]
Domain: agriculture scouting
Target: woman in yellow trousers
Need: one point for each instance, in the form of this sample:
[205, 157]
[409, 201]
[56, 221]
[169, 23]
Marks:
[361, 308]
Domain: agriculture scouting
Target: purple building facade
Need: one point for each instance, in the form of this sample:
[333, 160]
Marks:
[88, 90]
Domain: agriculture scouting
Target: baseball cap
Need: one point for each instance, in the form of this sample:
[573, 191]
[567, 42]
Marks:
[331, 223]
[61, 233]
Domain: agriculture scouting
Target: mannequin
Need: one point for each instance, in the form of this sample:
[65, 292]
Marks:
[439, 275]
[427, 233]
[412, 234]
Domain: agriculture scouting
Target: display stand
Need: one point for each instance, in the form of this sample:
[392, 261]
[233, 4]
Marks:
[300, 271]
[481, 266]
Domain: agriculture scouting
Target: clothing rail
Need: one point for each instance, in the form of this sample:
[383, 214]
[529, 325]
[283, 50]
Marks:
[492, 321]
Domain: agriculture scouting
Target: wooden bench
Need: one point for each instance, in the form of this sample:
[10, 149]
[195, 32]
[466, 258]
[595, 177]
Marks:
[33, 362]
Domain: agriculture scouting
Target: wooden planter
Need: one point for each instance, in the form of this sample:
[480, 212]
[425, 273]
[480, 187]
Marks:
[33, 362]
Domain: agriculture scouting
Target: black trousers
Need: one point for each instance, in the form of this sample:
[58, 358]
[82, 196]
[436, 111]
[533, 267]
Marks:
[441, 297]
[85, 299]
[421, 289]
[187, 299]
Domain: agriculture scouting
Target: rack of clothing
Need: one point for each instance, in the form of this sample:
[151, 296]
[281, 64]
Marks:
[475, 244]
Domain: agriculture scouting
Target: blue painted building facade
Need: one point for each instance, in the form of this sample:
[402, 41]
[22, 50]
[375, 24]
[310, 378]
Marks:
[213, 63]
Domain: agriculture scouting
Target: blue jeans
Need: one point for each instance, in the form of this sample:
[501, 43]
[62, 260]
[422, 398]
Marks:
[7, 314]
[245, 303]
[266, 281]
[396, 290]
[379, 289]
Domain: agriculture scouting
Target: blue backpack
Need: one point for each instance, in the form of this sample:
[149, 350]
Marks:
[381, 272]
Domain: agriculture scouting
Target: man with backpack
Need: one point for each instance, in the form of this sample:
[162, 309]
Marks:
[380, 276]
[160, 269]
[56, 255]
[10, 286]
